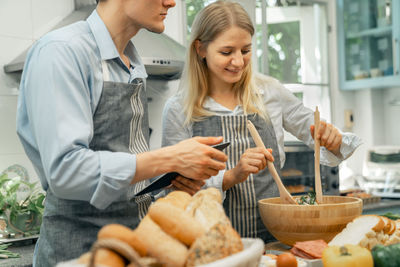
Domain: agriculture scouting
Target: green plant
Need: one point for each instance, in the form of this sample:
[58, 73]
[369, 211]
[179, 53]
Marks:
[22, 216]
[5, 253]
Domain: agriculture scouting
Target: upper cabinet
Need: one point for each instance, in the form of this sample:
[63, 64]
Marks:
[369, 43]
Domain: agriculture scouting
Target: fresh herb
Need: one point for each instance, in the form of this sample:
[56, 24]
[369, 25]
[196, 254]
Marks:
[5, 254]
[30, 207]
[392, 216]
[308, 199]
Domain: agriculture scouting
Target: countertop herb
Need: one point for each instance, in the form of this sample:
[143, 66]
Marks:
[391, 215]
[6, 254]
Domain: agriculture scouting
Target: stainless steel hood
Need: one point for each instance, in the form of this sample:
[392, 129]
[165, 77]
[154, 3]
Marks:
[162, 56]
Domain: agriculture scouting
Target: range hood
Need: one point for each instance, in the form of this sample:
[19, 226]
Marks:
[162, 56]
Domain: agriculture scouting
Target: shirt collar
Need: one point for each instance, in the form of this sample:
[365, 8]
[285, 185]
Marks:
[107, 47]
[102, 36]
[211, 105]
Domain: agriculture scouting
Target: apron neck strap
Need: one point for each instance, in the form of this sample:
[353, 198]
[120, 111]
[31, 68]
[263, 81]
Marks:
[106, 72]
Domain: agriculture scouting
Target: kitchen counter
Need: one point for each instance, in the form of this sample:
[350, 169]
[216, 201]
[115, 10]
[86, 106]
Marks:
[25, 250]
[385, 205]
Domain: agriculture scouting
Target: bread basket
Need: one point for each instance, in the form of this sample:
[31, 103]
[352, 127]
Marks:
[250, 256]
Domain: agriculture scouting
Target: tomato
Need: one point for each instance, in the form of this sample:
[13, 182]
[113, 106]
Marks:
[286, 260]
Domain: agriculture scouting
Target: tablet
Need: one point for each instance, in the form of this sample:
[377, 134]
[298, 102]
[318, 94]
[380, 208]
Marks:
[166, 179]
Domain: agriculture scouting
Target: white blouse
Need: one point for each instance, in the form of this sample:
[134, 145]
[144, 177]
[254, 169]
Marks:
[285, 110]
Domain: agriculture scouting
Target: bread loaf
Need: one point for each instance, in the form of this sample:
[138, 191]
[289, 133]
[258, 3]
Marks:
[160, 245]
[124, 234]
[219, 242]
[175, 222]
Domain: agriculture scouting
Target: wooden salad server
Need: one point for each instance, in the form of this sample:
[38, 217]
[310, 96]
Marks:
[283, 193]
[318, 188]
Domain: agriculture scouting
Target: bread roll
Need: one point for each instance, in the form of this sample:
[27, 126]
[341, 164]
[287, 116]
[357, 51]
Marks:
[160, 245]
[219, 242]
[211, 193]
[124, 234]
[104, 257]
[176, 222]
[177, 198]
[206, 208]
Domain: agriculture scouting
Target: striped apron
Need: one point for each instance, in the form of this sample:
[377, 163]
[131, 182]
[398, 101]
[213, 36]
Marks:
[241, 200]
[120, 124]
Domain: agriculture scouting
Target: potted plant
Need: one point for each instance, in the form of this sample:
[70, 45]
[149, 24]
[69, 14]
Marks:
[21, 206]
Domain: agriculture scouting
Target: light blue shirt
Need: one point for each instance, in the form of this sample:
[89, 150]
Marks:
[60, 88]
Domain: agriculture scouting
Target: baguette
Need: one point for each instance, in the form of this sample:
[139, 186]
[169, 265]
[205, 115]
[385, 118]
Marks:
[160, 245]
[124, 234]
[176, 222]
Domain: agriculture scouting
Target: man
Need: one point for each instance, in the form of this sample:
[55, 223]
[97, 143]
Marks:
[82, 119]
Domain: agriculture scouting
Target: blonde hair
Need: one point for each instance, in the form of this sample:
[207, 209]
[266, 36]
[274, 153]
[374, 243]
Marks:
[209, 23]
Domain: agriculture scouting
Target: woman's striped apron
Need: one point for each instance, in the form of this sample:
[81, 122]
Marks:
[241, 200]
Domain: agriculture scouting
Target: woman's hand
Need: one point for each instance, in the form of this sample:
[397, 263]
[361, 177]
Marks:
[329, 137]
[186, 184]
[252, 160]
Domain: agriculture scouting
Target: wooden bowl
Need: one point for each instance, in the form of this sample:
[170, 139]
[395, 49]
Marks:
[291, 223]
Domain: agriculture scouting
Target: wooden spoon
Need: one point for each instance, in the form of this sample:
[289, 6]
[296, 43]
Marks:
[318, 188]
[283, 193]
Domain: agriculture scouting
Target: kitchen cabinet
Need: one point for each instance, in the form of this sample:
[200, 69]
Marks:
[368, 43]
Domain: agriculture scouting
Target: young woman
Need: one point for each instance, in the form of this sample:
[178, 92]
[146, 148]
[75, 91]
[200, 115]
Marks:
[219, 93]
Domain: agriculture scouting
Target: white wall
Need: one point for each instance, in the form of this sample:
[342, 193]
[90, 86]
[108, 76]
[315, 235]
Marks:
[21, 23]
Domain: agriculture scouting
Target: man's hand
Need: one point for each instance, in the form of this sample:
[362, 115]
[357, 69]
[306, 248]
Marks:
[329, 137]
[195, 158]
[252, 160]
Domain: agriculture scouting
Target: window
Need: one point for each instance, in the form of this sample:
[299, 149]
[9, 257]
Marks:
[284, 51]
[192, 8]
[292, 46]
